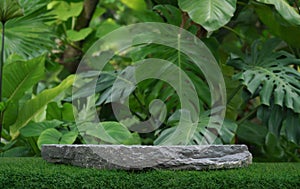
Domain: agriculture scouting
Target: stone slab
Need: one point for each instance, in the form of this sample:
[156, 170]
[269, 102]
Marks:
[149, 157]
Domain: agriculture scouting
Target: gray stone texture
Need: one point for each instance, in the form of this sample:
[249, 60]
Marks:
[149, 157]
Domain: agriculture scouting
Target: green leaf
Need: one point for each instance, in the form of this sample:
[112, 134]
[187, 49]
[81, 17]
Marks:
[19, 76]
[108, 132]
[79, 35]
[33, 129]
[53, 136]
[138, 5]
[68, 112]
[272, 117]
[252, 133]
[277, 25]
[64, 10]
[210, 14]
[34, 106]
[269, 73]
[171, 13]
[19, 151]
[116, 130]
[272, 146]
[133, 140]
[228, 131]
[65, 112]
[106, 27]
[10, 9]
[285, 10]
[29, 36]
[292, 127]
[203, 133]
[53, 111]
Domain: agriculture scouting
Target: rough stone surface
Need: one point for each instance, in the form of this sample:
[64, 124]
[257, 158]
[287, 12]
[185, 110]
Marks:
[149, 157]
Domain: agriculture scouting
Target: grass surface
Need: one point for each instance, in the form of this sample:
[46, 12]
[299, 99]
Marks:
[36, 173]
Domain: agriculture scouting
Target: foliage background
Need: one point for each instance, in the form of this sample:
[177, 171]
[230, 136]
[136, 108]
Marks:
[255, 42]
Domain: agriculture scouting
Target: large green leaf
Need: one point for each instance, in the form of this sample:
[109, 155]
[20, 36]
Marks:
[277, 25]
[20, 76]
[29, 36]
[269, 74]
[34, 106]
[108, 133]
[64, 10]
[35, 129]
[210, 14]
[9, 9]
[285, 10]
[272, 118]
[281, 122]
[53, 136]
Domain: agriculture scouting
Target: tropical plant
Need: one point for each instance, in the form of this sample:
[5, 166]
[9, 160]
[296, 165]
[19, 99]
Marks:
[8, 10]
[269, 75]
[21, 74]
[255, 43]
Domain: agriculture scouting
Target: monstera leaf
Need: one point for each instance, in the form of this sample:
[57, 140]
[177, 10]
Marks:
[211, 14]
[269, 73]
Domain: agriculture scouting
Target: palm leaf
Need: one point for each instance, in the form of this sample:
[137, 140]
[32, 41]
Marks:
[9, 9]
[28, 35]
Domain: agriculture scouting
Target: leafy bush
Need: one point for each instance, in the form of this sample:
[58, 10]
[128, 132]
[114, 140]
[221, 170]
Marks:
[255, 43]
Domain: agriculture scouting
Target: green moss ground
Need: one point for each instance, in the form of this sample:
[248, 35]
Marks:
[36, 173]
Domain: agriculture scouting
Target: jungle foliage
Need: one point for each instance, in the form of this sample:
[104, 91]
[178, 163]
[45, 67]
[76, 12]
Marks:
[255, 43]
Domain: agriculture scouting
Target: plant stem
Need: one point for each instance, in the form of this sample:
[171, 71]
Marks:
[1, 74]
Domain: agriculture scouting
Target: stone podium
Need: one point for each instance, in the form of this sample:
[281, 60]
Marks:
[139, 157]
